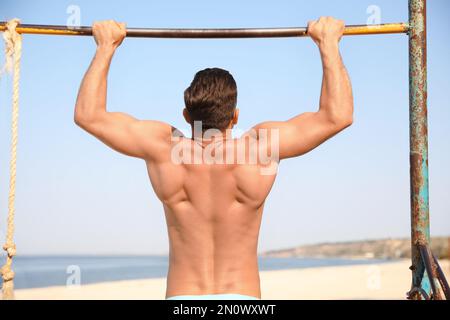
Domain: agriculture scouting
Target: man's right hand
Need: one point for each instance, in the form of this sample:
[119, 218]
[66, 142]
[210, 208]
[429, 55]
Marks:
[326, 30]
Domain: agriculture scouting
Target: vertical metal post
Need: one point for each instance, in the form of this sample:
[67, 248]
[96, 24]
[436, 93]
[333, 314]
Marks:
[420, 229]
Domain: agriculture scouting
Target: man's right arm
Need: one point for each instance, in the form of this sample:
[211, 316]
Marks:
[306, 131]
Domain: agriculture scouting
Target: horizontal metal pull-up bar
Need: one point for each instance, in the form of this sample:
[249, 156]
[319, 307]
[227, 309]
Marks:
[208, 33]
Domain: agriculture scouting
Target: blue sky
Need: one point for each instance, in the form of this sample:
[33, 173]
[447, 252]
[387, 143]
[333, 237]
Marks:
[76, 196]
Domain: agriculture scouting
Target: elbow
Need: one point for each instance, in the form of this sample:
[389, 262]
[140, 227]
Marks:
[341, 122]
[347, 121]
[79, 120]
[83, 120]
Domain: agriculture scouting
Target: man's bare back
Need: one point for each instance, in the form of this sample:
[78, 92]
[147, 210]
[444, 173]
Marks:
[213, 205]
[213, 214]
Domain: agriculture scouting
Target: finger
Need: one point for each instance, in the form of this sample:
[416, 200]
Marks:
[310, 25]
[96, 25]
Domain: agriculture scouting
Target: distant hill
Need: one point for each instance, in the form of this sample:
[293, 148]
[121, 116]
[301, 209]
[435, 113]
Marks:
[377, 249]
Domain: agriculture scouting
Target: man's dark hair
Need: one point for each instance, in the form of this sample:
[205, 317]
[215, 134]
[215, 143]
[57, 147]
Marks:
[211, 98]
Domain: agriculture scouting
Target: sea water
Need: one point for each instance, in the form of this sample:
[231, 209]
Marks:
[44, 271]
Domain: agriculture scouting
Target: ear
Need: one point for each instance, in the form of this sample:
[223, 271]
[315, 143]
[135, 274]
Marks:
[186, 116]
[235, 116]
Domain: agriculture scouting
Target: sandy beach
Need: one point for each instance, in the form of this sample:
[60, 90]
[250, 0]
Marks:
[375, 281]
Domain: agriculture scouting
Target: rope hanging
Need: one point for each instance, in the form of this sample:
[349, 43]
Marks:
[13, 50]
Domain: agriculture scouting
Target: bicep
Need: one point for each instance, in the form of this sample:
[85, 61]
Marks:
[130, 136]
[300, 134]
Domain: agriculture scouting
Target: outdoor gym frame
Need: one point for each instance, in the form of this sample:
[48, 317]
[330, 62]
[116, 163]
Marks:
[428, 281]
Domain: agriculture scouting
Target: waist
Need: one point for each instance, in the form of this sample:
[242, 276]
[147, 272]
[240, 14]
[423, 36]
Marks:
[221, 296]
[206, 278]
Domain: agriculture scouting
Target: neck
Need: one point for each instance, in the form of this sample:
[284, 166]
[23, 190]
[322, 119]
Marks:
[212, 135]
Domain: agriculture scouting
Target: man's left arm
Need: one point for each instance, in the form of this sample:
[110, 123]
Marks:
[143, 139]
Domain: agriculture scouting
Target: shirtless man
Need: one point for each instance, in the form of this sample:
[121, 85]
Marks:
[213, 209]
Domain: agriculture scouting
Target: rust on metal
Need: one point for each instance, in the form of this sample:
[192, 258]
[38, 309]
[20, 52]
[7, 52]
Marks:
[426, 273]
[431, 269]
[420, 234]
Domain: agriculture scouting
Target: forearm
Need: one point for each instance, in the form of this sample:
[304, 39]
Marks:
[336, 100]
[91, 101]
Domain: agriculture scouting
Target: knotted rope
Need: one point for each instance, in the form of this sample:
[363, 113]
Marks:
[13, 50]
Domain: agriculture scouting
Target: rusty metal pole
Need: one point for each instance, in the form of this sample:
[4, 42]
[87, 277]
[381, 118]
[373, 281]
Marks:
[420, 228]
